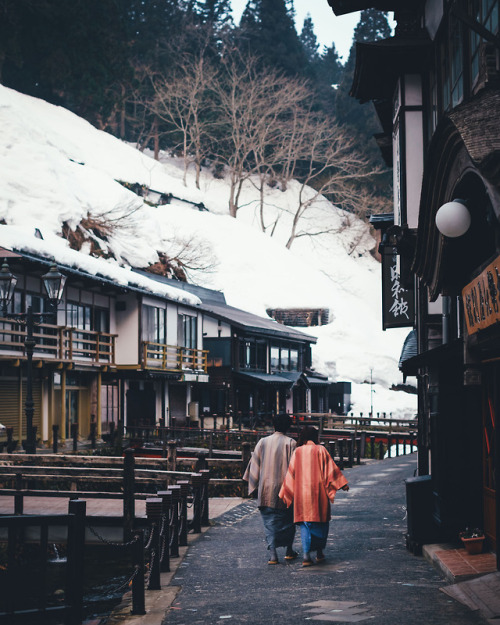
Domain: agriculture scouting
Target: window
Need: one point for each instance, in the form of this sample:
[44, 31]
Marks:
[486, 12]
[284, 358]
[78, 316]
[189, 331]
[275, 358]
[154, 327]
[452, 66]
[252, 354]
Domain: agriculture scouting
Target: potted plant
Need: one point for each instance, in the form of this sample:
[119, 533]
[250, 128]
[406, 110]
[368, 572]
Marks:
[473, 540]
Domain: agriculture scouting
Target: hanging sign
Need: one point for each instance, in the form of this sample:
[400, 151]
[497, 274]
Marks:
[398, 304]
[481, 299]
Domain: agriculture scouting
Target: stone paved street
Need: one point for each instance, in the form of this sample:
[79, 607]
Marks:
[368, 576]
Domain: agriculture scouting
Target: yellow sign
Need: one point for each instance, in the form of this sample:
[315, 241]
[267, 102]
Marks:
[481, 299]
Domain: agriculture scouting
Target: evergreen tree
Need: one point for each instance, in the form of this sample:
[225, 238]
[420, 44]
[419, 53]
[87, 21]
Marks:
[361, 119]
[267, 30]
[309, 40]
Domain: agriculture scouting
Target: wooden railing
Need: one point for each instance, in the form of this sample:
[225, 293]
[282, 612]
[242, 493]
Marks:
[58, 342]
[173, 358]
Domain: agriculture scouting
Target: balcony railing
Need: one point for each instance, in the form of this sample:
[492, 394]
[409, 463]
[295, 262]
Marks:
[173, 358]
[58, 343]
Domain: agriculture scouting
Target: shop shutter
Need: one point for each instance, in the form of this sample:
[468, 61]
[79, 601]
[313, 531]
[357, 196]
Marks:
[11, 404]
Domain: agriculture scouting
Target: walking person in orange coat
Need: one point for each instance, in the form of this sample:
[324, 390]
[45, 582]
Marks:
[310, 484]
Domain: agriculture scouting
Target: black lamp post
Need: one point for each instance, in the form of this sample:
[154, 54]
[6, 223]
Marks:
[53, 282]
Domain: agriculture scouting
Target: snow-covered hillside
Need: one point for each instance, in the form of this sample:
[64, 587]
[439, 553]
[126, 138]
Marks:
[56, 168]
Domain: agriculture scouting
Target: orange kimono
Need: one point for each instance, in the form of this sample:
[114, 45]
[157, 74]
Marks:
[310, 484]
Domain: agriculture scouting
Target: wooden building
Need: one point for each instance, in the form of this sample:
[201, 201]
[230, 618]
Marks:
[257, 367]
[435, 86]
[122, 348]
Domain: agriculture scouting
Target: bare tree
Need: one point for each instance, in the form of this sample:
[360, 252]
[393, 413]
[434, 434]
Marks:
[183, 101]
[322, 157]
[252, 102]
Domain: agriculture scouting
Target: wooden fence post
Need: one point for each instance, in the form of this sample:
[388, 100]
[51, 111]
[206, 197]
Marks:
[172, 455]
[166, 497]
[154, 509]
[175, 489]
[196, 483]
[76, 549]
[128, 494]
[331, 449]
[205, 521]
[246, 454]
[380, 450]
[183, 520]
[138, 590]
[55, 438]
[18, 497]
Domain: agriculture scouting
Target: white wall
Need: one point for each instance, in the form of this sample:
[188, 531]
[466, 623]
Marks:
[211, 327]
[127, 328]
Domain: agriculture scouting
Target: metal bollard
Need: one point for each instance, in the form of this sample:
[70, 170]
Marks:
[154, 511]
[138, 590]
[205, 521]
[174, 538]
[166, 497]
[196, 483]
[183, 520]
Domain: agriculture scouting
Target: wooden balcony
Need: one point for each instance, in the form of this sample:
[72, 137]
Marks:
[173, 358]
[57, 343]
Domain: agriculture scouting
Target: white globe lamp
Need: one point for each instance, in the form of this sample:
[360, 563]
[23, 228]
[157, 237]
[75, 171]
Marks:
[453, 219]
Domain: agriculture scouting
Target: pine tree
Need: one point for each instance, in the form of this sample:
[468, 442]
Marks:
[309, 40]
[361, 119]
[267, 30]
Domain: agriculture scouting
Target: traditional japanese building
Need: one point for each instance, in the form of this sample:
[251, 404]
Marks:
[435, 86]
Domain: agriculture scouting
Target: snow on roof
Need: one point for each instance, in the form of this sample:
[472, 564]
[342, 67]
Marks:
[55, 248]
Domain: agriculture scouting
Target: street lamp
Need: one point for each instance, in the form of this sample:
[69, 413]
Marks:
[453, 219]
[53, 282]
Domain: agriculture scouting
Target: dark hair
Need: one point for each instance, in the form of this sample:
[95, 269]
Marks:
[282, 423]
[307, 433]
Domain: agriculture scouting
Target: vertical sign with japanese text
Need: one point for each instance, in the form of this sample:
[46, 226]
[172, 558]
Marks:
[398, 304]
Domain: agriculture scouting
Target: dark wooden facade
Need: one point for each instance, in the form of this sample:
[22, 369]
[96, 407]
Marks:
[435, 86]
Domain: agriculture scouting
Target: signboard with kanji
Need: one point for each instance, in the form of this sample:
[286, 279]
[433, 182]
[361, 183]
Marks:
[398, 303]
[481, 299]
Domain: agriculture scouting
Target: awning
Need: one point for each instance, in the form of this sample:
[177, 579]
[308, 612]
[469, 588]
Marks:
[434, 357]
[311, 381]
[265, 378]
[293, 376]
[410, 348]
